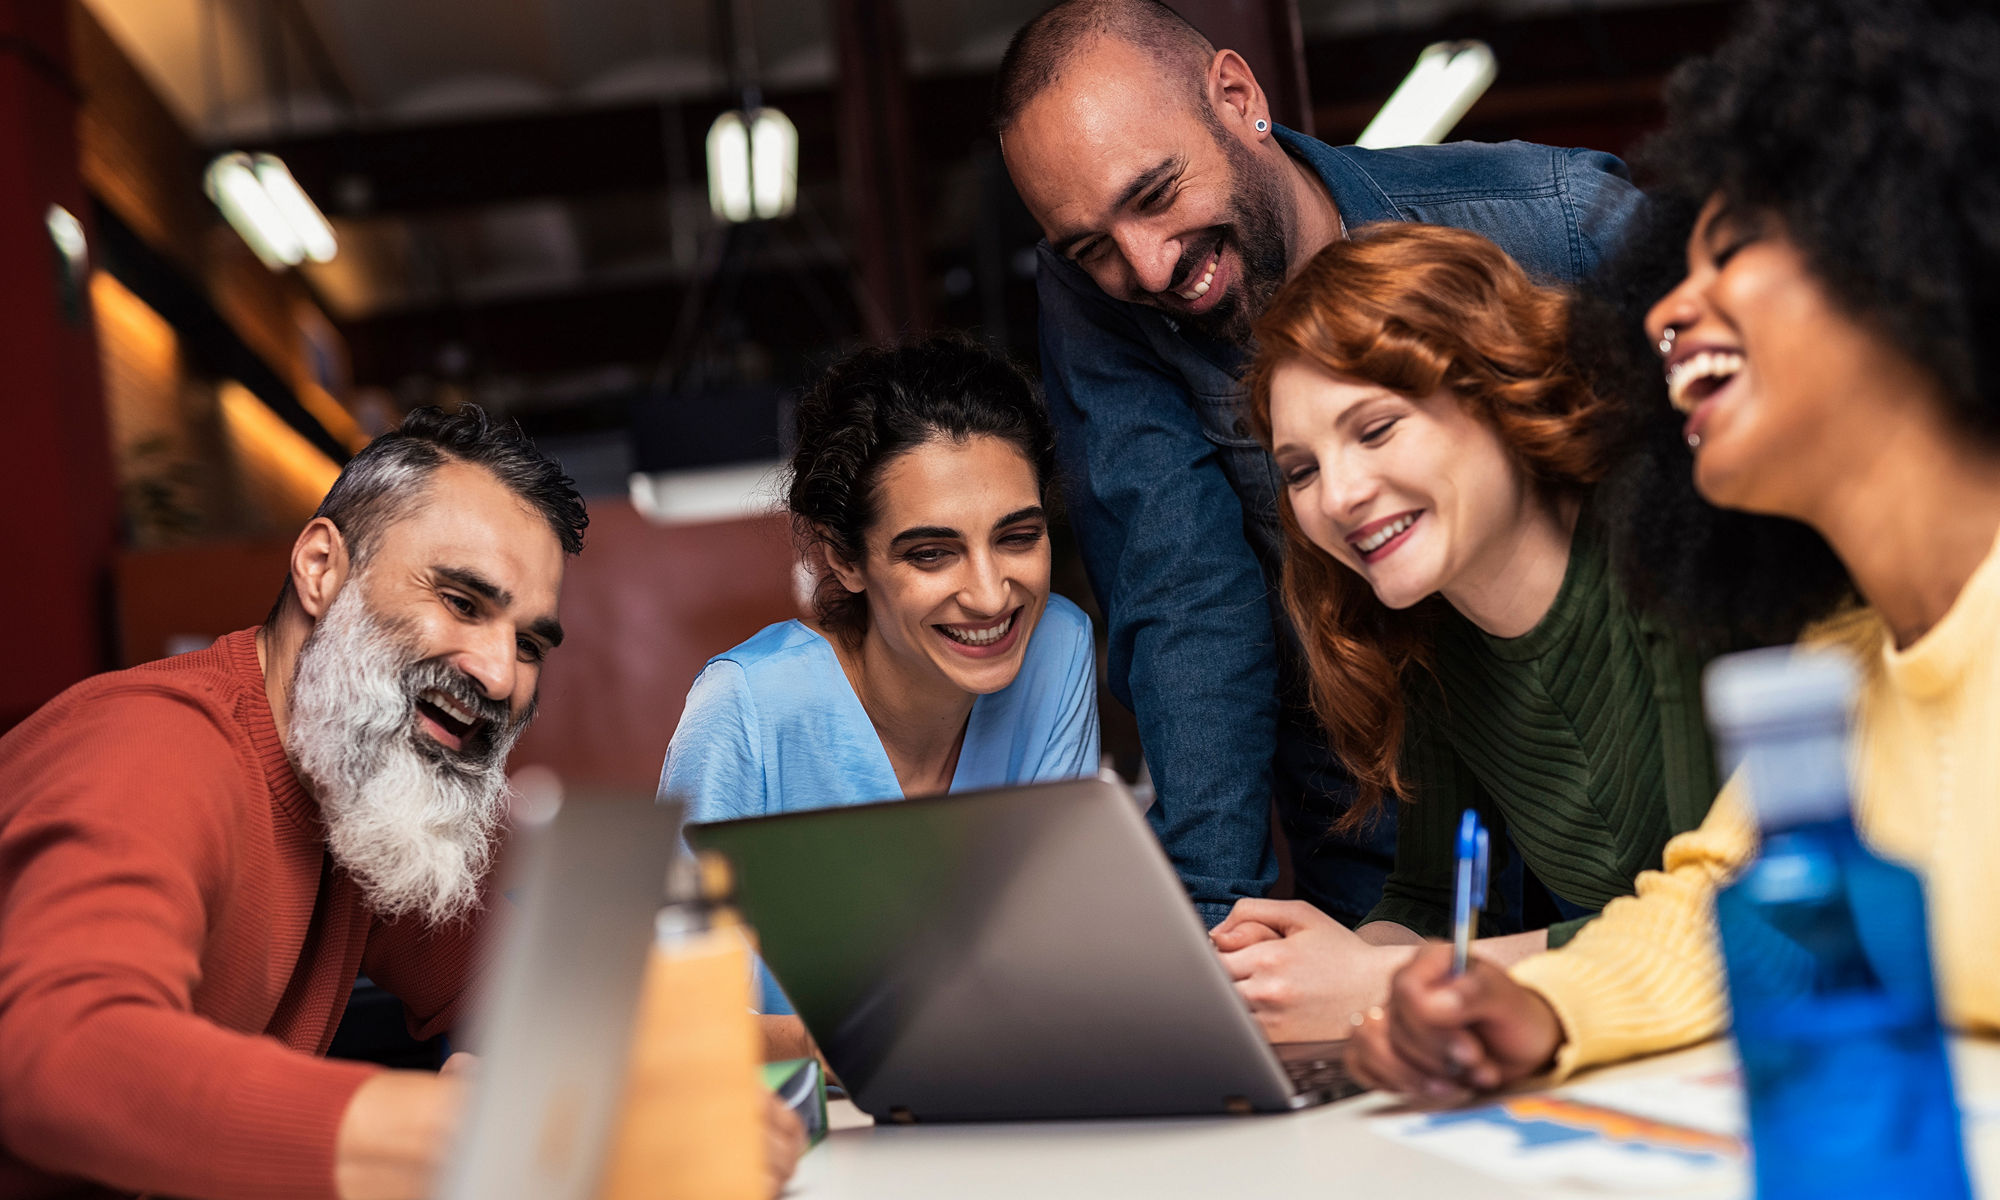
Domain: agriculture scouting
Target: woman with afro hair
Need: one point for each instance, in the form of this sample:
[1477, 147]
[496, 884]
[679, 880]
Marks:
[1831, 377]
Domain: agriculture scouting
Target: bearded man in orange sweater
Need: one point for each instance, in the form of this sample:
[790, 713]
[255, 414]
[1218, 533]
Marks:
[198, 855]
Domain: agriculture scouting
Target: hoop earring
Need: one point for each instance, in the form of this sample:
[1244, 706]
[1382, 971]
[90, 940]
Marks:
[1262, 125]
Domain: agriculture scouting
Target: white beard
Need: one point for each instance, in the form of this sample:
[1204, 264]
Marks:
[414, 824]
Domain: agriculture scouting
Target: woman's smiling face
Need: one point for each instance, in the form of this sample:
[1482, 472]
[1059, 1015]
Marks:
[956, 565]
[1783, 390]
[1416, 496]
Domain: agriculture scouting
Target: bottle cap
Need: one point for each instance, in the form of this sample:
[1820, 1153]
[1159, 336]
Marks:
[683, 879]
[1784, 712]
[718, 879]
[1782, 685]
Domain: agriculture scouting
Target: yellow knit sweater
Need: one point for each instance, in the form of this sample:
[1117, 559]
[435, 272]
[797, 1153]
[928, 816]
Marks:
[1647, 974]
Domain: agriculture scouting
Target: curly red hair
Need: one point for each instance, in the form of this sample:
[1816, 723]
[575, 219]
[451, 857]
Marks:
[1415, 308]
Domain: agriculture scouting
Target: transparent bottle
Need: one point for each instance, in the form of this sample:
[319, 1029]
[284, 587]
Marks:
[1827, 950]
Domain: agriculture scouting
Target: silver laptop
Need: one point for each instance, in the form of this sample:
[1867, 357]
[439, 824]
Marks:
[1020, 953]
[553, 1020]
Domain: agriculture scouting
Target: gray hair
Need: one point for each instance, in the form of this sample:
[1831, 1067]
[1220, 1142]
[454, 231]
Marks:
[380, 485]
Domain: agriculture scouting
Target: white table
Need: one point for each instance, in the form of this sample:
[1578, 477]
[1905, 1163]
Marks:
[1324, 1151]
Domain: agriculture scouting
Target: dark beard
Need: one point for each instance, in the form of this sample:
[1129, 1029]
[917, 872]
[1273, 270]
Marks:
[1257, 230]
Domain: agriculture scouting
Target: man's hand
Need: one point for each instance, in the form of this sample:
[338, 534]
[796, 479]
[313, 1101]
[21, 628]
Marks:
[1303, 973]
[1238, 931]
[1441, 1037]
[396, 1133]
[784, 1141]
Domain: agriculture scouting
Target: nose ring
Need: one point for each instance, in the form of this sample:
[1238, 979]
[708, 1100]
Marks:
[1666, 345]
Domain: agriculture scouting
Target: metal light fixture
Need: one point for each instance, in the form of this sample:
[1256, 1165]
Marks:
[72, 261]
[753, 165]
[1448, 78]
[269, 210]
[67, 234]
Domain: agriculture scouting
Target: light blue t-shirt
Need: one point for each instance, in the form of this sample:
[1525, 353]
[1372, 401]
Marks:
[773, 726]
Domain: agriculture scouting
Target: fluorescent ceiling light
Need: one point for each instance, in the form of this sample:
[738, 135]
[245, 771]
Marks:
[706, 493]
[729, 167]
[774, 160]
[269, 210]
[753, 165]
[1448, 78]
[298, 209]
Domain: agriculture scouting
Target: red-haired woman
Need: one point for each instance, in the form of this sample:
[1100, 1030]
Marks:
[1467, 642]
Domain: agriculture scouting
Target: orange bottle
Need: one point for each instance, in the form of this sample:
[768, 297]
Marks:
[691, 1127]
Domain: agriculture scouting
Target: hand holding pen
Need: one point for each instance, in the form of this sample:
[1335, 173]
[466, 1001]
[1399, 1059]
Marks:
[1457, 1026]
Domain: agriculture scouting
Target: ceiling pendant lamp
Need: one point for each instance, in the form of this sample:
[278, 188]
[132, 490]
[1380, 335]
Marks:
[753, 165]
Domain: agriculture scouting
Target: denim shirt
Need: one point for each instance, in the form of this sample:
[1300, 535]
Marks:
[1175, 505]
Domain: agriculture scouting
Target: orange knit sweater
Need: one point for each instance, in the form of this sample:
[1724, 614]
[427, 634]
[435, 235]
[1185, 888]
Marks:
[176, 947]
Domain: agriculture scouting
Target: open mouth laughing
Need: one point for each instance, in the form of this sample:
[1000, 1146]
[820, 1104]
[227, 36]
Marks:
[1196, 276]
[454, 720]
[1700, 375]
[1207, 280]
[447, 720]
[983, 639]
[1694, 378]
[1378, 539]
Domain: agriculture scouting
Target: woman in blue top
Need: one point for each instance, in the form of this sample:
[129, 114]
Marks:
[936, 659]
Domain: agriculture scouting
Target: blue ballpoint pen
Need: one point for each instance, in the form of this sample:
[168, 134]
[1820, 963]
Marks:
[1469, 896]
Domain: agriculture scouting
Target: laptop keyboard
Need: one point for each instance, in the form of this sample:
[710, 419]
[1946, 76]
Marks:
[1327, 1073]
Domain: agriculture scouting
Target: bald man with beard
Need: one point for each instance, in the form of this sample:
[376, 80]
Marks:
[198, 855]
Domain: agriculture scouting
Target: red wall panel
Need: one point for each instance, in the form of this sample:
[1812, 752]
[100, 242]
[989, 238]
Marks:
[58, 505]
[644, 607]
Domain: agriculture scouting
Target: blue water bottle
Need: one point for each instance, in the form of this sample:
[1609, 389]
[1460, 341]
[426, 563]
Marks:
[1827, 949]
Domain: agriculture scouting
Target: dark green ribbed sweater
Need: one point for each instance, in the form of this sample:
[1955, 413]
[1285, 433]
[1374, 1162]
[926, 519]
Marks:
[1582, 740]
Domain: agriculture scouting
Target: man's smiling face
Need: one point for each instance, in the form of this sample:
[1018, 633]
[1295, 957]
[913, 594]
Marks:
[414, 683]
[1139, 178]
[473, 573]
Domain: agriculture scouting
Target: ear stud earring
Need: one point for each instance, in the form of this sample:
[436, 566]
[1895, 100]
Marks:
[1262, 125]
[1694, 441]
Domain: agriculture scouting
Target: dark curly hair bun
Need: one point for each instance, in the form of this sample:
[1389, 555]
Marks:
[876, 404]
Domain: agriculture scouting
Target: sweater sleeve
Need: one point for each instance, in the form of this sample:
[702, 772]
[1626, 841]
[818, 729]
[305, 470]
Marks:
[1647, 975]
[117, 849]
[429, 969]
